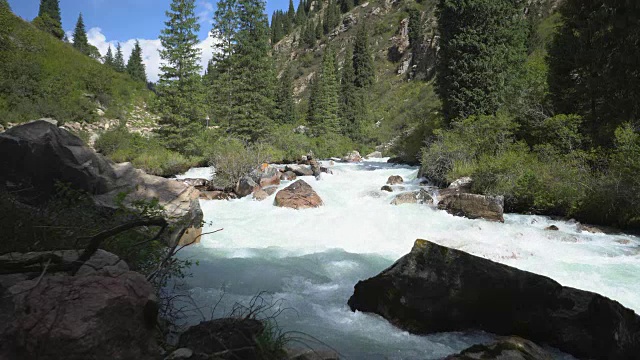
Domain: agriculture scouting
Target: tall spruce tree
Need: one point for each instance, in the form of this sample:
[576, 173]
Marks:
[252, 111]
[4, 4]
[49, 18]
[301, 14]
[309, 35]
[108, 58]
[80, 40]
[482, 47]
[180, 93]
[323, 103]
[363, 59]
[118, 61]
[291, 13]
[351, 100]
[135, 66]
[593, 63]
[285, 105]
[346, 5]
[416, 31]
[319, 30]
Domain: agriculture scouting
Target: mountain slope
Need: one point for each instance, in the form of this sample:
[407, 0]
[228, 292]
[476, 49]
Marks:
[41, 76]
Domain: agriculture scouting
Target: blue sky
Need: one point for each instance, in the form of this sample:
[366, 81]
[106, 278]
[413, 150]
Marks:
[111, 21]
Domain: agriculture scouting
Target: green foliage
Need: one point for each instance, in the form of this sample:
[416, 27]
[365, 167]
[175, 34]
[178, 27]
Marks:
[49, 19]
[5, 5]
[80, 41]
[323, 103]
[232, 159]
[147, 154]
[482, 47]
[41, 76]
[416, 31]
[593, 67]
[285, 104]
[118, 61]
[180, 92]
[108, 58]
[135, 67]
[363, 59]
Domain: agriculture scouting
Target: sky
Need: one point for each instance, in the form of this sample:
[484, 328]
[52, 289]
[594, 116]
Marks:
[111, 21]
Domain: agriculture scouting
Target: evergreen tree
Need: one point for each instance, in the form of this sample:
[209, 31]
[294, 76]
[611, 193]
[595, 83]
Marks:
[323, 103]
[301, 15]
[49, 18]
[319, 30]
[363, 59]
[253, 108]
[351, 104]
[291, 13]
[108, 58]
[416, 32]
[118, 61]
[135, 66]
[309, 35]
[80, 40]
[285, 105]
[180, 95]
[482, 48]
[593, 65]
[4, 4]
[346, 5]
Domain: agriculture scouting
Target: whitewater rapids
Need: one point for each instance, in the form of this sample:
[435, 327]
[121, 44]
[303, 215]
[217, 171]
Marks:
[309, 260]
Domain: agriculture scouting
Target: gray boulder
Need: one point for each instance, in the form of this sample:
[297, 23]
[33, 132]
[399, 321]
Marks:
[299, 170]
[246, 186]
[437, 289]
[414, 197]
[507, 348]
[395, 180]
[227, 338]
[474, 206]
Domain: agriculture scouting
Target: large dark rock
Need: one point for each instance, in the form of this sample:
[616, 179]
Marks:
[227, 338]
[437, 289]
[507, 348]
[298, 195]
[299, 170]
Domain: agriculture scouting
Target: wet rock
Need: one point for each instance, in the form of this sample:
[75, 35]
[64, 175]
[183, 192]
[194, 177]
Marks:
[288, 176]
[217, 195]
[437, 289]
[415, 197]
[352, 157]
[474, 206]
[552, 228]
[590, 229]
[298, 195]
[326, 170]
[246, 186]
[270, 190]
[315, 167]
[386, 188]
[182, 353]
[462, 183]
[260, 195]
[375, 154]
[200, 184]
[507, 348]
[395, 180]
[266, 175]
[228, 338]
[299, 170]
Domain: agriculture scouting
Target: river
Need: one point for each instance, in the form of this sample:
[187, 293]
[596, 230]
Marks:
[307, 261]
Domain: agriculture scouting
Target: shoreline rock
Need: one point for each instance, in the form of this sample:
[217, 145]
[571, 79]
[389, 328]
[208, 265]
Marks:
[298, 195]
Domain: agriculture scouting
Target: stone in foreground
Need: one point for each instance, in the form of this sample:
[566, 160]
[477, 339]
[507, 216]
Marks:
[414, 197]
[474, 206]
[436, 289]
[507, 348]
[298, 195]
[227, 338]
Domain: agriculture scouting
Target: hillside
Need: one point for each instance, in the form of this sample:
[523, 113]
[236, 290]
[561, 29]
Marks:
[41, 76]
[402, 103]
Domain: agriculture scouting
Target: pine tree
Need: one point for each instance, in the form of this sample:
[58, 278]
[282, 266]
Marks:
[346, 5]
[319, 30]
[416, 31]
[593, 65]
[180, 93]
[309, 35]
[301, 15]
[363, 59]
[285, 105]
[323, 103]
[4, 4]
[482, 47]
[80, 40]
[108, 58]
[291, 13]
[135, 66]
[49, 18]
[351, 104]
[118, 61]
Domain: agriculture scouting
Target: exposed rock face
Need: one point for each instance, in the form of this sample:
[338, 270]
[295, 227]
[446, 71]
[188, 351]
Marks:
[474, 206]
[507, 348]
[437, 289]
[223, 339]
[104, 312]
[39, 154]
[298, 195]
[299, 170]
[246, 186]
[415, 197]
[395, 180]
[463, 183]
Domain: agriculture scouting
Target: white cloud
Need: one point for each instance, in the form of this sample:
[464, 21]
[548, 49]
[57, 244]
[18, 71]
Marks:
[150, 50]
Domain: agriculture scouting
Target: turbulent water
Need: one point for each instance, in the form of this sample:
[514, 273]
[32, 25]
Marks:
[307, 261]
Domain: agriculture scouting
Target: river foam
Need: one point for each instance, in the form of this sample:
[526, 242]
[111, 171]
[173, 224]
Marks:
[309, 260]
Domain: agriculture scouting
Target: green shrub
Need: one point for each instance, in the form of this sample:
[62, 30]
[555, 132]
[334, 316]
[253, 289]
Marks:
[233, 159]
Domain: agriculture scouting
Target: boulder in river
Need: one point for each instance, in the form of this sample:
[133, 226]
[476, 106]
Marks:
[288, 176]
[462, 183]
[266, 175]
[375, 154]
[506, 348]
[298, 195]
[395, 180]
[386, 188]
[474, 206]
[260, 195]
[413, 197]
[352, 157]
[227, 338]
[299, 170]
[552, 228]
[437, 289]
[246, 186]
